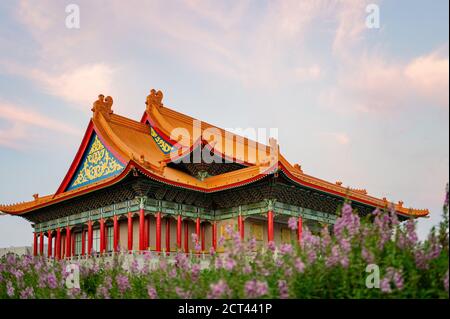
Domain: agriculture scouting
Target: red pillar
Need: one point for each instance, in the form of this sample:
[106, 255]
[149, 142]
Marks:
[146, 232]
[90, 237]
[158, 231]
[41, 244]
[58, 244]
[49, 243]
[197, 228]
[141, 229]
[73, 244]
[241, 227]
[83, 242]
[102, 235]
[179, 232]
[130, 232]
[186, 236]
[68, 241]
[168, 235]
[116, 234]
[299, 229]
[203, 236]
[270, 225]
[214, 235]
[35, 244]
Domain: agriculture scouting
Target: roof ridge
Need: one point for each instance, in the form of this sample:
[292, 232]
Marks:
[130, 123]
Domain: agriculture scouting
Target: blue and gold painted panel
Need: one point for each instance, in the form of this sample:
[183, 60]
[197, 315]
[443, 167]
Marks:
[163, 145]
[97, 163]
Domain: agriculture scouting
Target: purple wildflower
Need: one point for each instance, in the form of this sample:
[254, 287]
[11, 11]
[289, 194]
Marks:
[299, 265]
[122, 283]
[385, 285]
[9, 289]
[229, 264]
[52, 282]
[247, 269]
[27, 293]
[293, 223]
[182, 294]
[104, 289]
[219, 290]
[283, 289]
[446, 279]
[288, 272]
[367, 256]
[152, 294]
[286, 249]
[255, 289]
[195, 271]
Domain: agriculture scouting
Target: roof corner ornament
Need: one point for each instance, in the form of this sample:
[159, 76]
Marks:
[298, 167]
[36, 196]
[154, 99]
[103, 105]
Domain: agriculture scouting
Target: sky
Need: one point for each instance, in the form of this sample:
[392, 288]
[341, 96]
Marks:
[365, 106]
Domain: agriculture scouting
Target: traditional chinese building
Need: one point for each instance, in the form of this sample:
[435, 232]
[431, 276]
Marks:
[151, 184]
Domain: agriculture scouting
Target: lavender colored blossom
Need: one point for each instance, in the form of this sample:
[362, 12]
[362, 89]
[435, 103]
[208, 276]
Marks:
[255, 289]
[219, 290]
[286, 249]
[173, 273]
[385, 286]
[9, 289]
[392, 276]
[151, 291]
[299, 265]
[195, 271]
[367, 255]
[288, 272]
[229, 264]
[182, 293]
[52, 282]
[122, 283]
[271, 246]
[293, 223]
[446, 279]
[247, 269]
[283, 289]
[27, 293]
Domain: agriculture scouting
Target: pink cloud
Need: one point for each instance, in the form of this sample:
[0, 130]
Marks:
[19, 122]
[429, 76]
[372, 84]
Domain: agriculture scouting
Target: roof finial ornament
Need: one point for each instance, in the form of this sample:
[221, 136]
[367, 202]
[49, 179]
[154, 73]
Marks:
[154, 99]
[103, 105]
[298, 167]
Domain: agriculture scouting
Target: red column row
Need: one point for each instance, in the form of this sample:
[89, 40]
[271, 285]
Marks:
[67, 249]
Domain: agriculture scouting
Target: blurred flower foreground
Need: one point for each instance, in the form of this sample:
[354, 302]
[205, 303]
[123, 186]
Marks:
[372, 257]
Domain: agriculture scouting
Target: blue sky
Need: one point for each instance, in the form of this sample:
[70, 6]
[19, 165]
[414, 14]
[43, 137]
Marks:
[365, 106]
